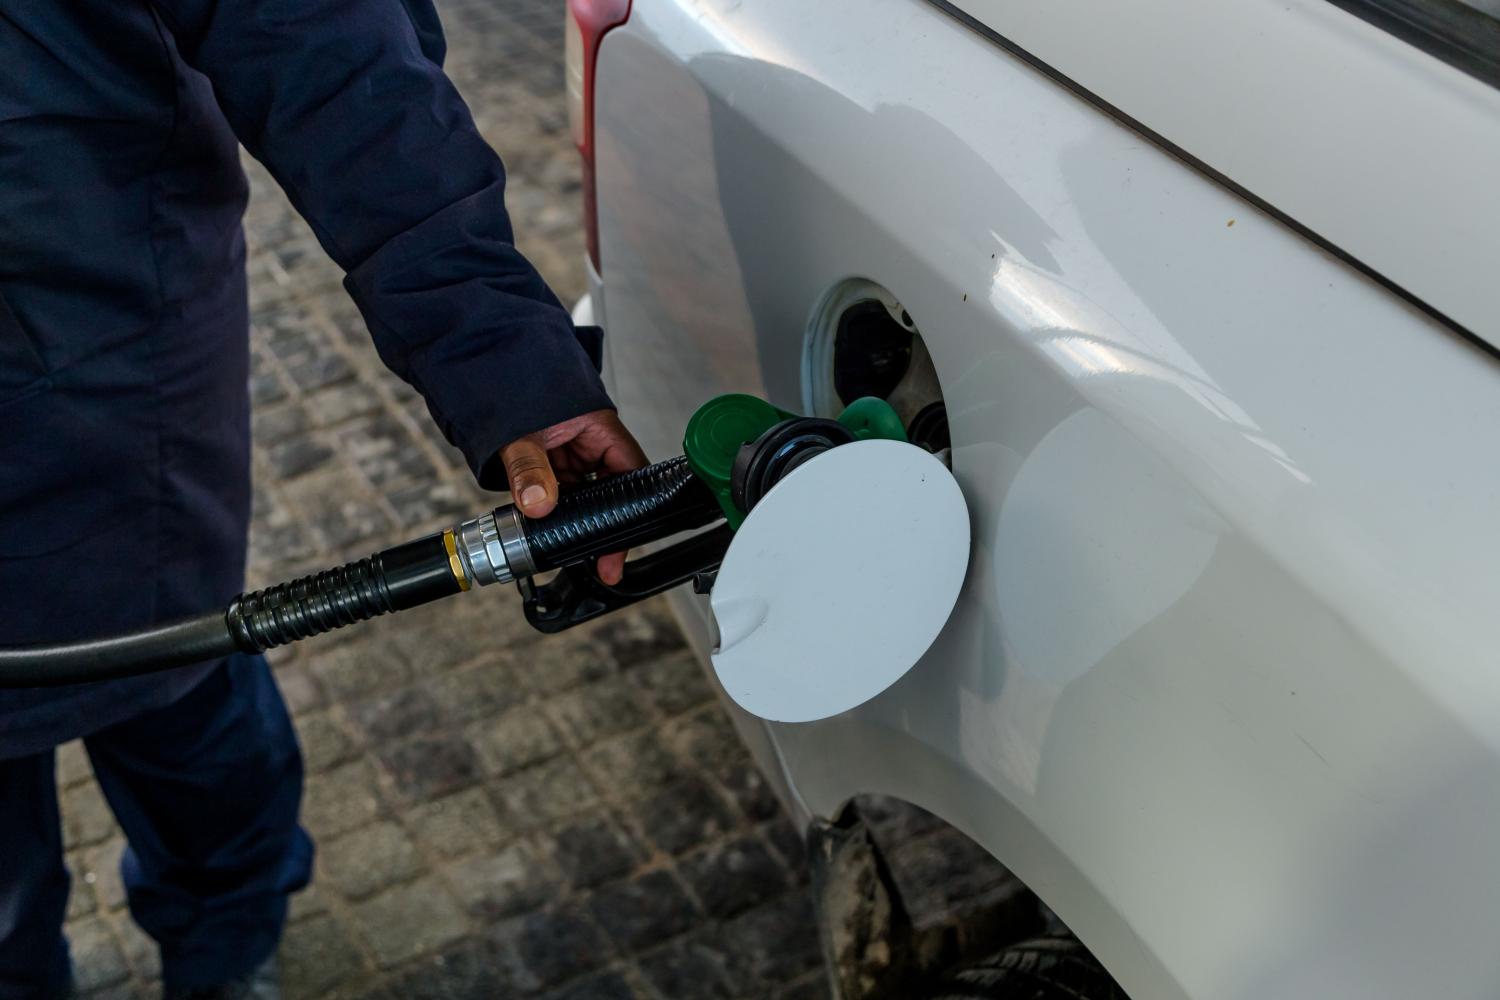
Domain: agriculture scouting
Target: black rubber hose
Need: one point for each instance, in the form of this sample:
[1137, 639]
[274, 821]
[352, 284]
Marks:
[205, 637]
[608, 516]
[613, 514]
[397, 578]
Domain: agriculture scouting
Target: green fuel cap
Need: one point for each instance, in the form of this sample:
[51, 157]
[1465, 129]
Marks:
[714, 435]
[726, 423]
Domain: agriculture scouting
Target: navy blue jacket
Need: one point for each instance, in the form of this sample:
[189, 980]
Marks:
[124, 442]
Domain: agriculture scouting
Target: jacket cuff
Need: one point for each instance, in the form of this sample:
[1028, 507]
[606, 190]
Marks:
[483, 403]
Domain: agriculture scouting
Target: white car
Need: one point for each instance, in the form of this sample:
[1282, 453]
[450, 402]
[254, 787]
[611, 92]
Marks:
[1210, 290]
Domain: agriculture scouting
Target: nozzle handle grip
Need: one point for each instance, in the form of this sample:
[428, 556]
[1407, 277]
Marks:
[612, 515]
[576, 595]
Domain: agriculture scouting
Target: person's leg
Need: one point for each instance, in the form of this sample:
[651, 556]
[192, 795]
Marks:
[33, 881]
[207, 791]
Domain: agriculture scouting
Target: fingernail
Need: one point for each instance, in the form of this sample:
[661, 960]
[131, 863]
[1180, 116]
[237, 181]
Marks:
[533, 495]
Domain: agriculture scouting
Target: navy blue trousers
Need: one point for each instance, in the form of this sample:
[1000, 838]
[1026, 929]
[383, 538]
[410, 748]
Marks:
[207, 790]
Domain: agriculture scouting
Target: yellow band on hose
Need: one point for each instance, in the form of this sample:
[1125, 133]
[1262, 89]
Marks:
[454, 563]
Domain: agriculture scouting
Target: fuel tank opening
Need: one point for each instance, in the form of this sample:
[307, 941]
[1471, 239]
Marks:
[861, 341]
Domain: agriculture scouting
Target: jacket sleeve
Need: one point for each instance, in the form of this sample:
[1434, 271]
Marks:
[346, 103]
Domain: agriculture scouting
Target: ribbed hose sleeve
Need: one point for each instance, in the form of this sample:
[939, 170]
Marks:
[205, 637]
[613, 514]
[395, 579]
[309, 605]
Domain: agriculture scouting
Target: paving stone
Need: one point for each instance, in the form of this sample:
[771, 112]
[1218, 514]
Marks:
[301, 693]
[605, 986]
[647, 632]
[436, 638]
[682, 815]
[324, 741]
[428, 503]
[266, 565]
[466, 971]
[385, 452]
[510, 881]
[340, 800]
[317, 955]
[396, 715]
[595, 850]
[366, 861]
[141, 953]
[430, 766]
[310, 901]
[750, 790]
[266, 388]
[458, 824]
[634, 765]
[476, 693]
[72, 764]
[594, 711]
[707, 739]
[273, 424]
[550, 791]
[734, 875]
[288, 334]
[81, 898]
[814, 987]
[100, 870]
[97, 958]
[120, 991]
[357, 667]
[316, 372]
[298, 456]
[566, 661]
[672, 685]
[513, 741]
[339, 404]
[338, 515]
[553, 944]
[689, 968]
[644, 910]
[409, 920]
[86, 816]
[772, 944]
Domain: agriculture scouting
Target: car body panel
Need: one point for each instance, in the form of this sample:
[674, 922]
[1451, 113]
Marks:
[1221, 687]
[1386, 152]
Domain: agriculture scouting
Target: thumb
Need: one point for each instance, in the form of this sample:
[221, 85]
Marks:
[533, 484]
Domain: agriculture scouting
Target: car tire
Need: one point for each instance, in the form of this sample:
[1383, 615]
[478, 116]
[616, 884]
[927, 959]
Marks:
[1047, 968]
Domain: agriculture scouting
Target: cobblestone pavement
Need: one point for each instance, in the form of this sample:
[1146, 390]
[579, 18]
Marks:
[498, 814]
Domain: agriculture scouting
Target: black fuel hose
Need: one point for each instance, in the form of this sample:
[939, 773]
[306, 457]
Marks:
[204, 637]
[392, 580]
[605, 516]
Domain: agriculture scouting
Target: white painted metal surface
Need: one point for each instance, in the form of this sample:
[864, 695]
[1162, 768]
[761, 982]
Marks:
[1222, 683]
[1388, 153]
[839, 580]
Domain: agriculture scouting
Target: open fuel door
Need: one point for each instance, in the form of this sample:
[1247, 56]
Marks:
[839, 580]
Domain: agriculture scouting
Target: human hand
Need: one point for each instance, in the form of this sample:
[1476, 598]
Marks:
[594, 442]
